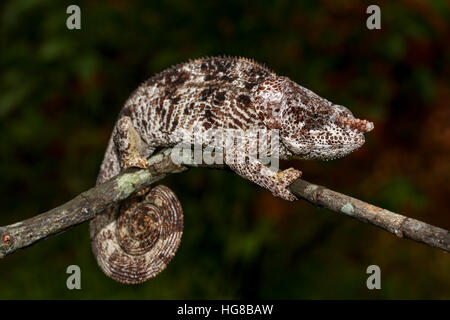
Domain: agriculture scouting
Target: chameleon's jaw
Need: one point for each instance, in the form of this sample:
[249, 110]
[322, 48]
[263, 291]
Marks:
[358, 125]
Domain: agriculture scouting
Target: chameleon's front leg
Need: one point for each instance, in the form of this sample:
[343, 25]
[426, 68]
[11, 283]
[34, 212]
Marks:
[277, 182]
[129, 145]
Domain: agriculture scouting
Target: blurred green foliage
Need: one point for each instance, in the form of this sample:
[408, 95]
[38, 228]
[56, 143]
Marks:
[61, 90]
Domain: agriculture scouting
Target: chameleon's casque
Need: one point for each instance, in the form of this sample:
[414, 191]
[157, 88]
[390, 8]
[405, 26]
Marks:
[187, 102]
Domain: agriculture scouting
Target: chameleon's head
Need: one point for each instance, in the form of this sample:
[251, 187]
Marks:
[310, 127]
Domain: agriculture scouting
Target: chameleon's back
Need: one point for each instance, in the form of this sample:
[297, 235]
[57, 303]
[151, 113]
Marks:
[204, 93]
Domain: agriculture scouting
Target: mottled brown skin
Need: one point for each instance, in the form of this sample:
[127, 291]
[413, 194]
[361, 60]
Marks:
[189, 101]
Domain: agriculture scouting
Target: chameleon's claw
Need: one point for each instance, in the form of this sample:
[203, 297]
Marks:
[285, 178]
[135, 162]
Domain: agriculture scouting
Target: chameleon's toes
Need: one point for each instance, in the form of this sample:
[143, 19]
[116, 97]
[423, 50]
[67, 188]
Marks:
[285, 194]
[136, 162]
[285, 178]
[142, 192]
[290, 174]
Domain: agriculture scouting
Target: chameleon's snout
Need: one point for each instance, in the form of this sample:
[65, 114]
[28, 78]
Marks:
[355, 124]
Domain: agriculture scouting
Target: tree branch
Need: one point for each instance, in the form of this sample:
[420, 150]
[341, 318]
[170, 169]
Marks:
[395, 223]
[86, 205]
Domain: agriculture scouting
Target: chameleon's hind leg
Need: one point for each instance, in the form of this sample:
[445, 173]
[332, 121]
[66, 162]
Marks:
[129, 145]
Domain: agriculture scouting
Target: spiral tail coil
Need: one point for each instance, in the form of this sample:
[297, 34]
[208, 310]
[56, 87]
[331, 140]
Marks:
[138, 244]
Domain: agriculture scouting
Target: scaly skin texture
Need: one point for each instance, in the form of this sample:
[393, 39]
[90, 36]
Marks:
[188, 102]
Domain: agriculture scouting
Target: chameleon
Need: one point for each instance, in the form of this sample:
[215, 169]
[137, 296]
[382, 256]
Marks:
[135, 240]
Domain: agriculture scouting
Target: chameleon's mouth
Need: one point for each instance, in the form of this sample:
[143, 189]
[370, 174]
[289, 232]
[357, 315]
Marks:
[358, 125]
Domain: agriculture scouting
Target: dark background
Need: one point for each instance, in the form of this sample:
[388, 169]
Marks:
[61, 91]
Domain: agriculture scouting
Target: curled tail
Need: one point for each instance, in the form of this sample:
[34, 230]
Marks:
[136, 239]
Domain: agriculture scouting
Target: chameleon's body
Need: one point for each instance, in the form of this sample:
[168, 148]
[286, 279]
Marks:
[198, 97]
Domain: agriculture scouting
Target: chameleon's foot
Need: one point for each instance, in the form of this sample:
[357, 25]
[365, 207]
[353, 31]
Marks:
[285, 178]
[142, 192]
[135, 162]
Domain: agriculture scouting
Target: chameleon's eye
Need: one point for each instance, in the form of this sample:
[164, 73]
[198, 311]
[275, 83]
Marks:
[315, 115]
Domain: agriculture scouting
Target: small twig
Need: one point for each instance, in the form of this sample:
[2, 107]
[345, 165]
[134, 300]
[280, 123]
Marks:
[395, 223]
[86, 205]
